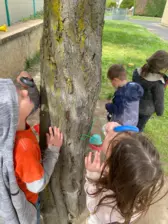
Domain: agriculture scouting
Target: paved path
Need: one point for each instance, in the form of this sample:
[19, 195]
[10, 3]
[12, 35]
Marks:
[154, 27]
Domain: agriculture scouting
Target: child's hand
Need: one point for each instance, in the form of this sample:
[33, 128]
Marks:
[55, 137]
[109, 134]
[110, 126]
[94, 166]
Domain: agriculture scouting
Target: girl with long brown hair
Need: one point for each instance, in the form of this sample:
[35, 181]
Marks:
[122, 188]
[151, 76]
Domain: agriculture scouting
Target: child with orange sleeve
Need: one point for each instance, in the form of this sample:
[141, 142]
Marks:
[26, 174]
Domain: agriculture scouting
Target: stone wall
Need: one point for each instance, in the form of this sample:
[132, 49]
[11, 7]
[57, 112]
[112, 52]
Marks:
[20, 43]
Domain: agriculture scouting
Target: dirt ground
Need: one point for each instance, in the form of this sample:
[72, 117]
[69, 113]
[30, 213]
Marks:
[158, 213]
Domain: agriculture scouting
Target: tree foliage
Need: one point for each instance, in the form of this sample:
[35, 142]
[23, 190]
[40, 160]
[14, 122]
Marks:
[155, 8]
[110, 3]
[127, 4]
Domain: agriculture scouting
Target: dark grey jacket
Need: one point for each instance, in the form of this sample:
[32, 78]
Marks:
[124, 108]
[153, 98]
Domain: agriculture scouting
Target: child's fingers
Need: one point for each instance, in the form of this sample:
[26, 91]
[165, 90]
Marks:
[56, 134]
[89, 158]
[97, 158]
[51, 131]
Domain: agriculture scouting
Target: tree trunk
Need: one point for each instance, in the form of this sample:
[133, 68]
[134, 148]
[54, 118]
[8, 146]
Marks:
[140, 6]
[70, 84]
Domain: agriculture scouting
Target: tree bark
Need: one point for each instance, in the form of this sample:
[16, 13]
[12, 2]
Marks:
[140, 6]
[70, 84]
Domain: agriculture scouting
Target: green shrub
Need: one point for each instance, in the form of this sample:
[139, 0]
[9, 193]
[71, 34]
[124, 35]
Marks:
[155, 8]
[39, 15]
[110, 3]
[127, 4]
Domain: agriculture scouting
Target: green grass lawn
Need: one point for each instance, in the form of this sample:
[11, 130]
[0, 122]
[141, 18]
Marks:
[125, 43]
[146, 18]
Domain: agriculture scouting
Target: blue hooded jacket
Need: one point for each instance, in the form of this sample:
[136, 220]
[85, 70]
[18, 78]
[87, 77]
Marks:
[125, 104]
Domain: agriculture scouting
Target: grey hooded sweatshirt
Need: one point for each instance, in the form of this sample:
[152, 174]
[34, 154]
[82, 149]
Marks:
[14, 208]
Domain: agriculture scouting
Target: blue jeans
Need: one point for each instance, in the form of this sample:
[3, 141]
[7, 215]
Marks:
[38, 210]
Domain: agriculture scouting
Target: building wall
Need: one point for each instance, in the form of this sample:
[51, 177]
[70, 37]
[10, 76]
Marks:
[2, 13]
[18, 9]
[165, 15]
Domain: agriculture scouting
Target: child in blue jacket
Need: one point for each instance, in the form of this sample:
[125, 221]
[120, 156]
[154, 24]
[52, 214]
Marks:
[124, 108]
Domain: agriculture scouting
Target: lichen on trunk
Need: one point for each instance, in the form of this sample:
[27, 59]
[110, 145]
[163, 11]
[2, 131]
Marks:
[71, 76]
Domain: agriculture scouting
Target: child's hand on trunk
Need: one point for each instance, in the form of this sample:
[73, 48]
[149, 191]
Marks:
[55, 137]
[95, 165]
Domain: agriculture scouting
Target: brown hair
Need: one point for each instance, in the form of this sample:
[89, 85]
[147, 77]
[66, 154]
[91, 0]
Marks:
[135, 175]
[117, 71]
[157, 62]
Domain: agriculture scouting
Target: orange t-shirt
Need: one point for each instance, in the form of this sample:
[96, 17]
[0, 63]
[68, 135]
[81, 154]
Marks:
[27, 162]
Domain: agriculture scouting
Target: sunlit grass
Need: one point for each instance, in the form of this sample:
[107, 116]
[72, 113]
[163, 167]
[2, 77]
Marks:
[125, 43]
[146, 18]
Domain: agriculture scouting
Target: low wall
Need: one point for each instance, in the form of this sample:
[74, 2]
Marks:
[22, 41]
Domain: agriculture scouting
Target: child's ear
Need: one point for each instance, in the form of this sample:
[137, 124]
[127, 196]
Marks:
[24, 93]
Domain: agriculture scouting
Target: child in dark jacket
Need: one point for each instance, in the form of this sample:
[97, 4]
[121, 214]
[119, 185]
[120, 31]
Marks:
[153, 81]
[124, 108]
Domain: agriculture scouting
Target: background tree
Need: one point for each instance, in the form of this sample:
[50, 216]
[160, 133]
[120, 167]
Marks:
[127, 4]
[70, 84]
[155, 8]
[110, 3]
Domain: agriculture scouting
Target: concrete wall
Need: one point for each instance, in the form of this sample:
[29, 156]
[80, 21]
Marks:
[17, 45]
[18, 9]
[165, 15]
[2, 12]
